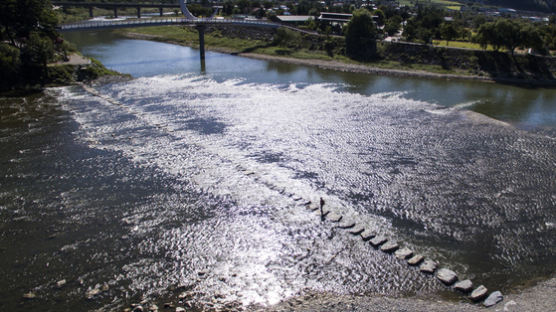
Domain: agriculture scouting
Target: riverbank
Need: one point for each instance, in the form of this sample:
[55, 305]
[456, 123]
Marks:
[75, 69]
[539, 298]
[404, 60]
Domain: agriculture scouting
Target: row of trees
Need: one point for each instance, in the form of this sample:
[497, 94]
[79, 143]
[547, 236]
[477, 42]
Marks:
[509, 34]
[429, 23]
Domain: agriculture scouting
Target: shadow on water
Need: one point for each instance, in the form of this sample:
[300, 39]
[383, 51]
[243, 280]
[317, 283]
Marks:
[205, 125]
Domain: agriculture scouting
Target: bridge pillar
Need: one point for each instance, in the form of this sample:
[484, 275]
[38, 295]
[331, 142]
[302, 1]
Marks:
[138, 12]
[115, 12]
[160, 10]
[201, 30]
[91, 12]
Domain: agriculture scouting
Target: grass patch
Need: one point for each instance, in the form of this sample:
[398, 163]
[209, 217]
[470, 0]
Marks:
[189, 36]
[460, 44]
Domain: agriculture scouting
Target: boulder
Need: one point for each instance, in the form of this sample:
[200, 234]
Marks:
[493, 299]
[313, 206]
[446, 276]
[389, 246]
[479, 293]
[464, 286]
[91, 293]
[403, 253]
[378, 240]
[346, 223]
[428, 266]
[367, 234]
[180, 309]
[60, 283]
[333, 217]
[415, 260]
[138, 309]
[356, 230]
[29, 295]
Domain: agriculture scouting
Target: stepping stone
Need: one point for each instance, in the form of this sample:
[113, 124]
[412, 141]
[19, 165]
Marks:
[428, 266]
[389, 246]
[378, 240]
[367, 234]
[464, 286]
[346, 224]
[333, 217]
[446, 276]
[403, 253]
[415, 260]
[479, 293]
[325, 211]
[493, 299]
[313, 206]
[356, 230]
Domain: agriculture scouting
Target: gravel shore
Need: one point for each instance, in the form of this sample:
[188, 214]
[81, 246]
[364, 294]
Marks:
[541, 298]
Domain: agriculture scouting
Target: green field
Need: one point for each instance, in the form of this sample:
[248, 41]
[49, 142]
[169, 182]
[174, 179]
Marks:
[450, 5]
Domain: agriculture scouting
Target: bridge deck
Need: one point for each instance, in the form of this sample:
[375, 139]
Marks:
[162, 22]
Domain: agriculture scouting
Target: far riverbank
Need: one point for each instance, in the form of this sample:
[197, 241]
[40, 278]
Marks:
[265, 50]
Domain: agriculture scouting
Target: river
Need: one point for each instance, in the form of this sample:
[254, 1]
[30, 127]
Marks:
[194, 179]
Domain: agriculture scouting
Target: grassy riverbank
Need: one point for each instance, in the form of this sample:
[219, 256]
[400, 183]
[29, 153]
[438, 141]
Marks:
[295, 48]
[329, 52]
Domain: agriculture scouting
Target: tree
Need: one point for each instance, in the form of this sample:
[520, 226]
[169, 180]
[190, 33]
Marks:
[508, 34]
[361, 36]
[531, 38]
[393, 25]
[380, 17]
[18, 18]
[486, 34]
[27, 32]
[448, 31]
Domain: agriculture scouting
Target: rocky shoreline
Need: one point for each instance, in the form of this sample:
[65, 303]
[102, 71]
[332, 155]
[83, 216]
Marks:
[541, 297]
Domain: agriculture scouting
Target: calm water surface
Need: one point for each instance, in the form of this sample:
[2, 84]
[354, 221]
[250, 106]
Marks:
[192, 178]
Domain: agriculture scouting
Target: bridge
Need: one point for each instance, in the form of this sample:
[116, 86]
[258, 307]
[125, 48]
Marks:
[189, 19]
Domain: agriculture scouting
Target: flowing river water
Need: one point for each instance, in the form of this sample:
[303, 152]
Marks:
[190, 178]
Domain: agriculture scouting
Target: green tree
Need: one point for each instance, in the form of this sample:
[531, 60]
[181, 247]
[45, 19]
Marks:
[393, 25]
[531, 38]
[361, 36]
[448, 31]
[27, 32]
[486, 34]
[18, 18]
[508, 34]
[35, 55]
[380, 17]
